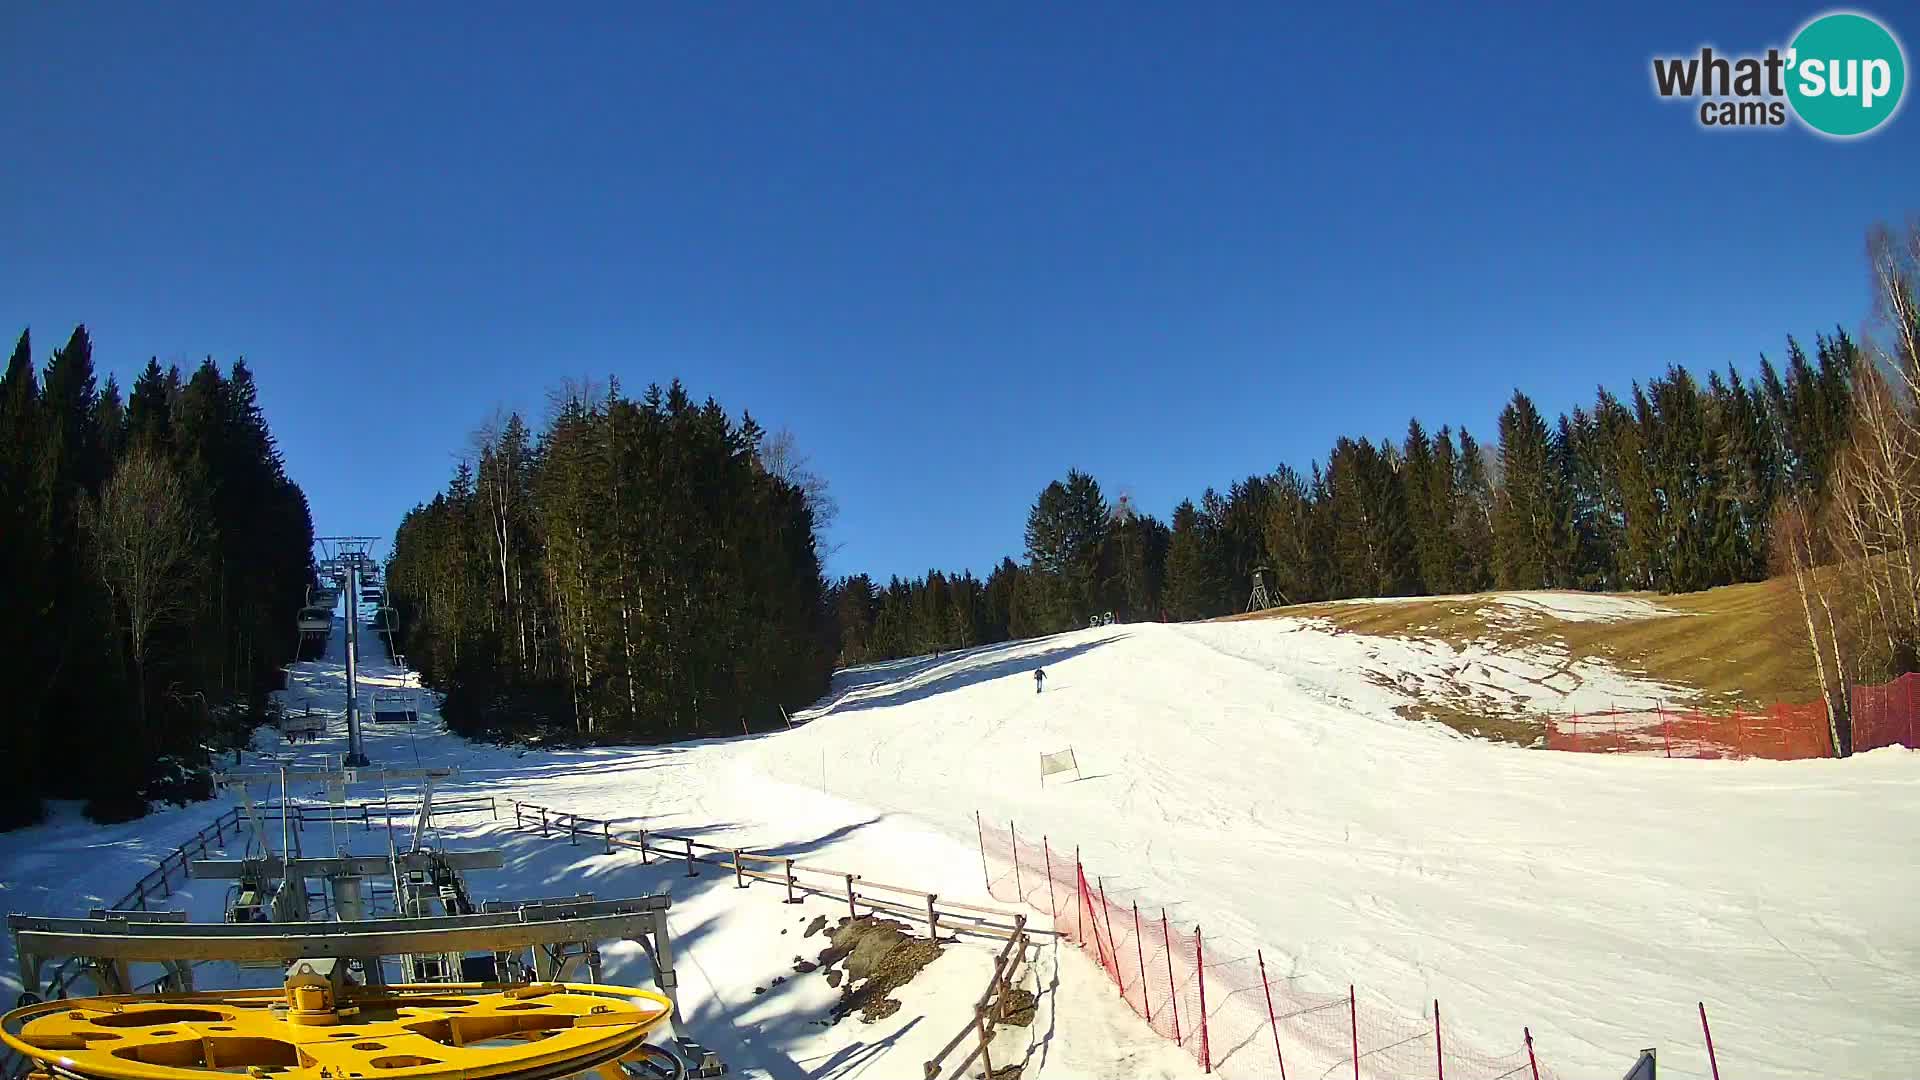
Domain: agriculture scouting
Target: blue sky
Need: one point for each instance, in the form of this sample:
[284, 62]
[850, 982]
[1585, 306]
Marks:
[956, 250]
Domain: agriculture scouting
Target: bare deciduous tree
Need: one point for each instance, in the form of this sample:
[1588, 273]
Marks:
[146, 536]
[781, 456]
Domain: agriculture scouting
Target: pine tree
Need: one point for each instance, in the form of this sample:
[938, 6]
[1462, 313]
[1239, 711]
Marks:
[24, 557]
[1530, 510]
[1066, 529]
[1194, 583]
[1473, 516]
[1298, 557]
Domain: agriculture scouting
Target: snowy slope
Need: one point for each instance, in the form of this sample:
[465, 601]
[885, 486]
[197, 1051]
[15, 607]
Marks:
[1255, 778]
[1253, 775]
[737, 949]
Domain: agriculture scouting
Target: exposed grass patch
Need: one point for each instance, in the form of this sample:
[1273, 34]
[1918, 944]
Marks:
[1735, 645]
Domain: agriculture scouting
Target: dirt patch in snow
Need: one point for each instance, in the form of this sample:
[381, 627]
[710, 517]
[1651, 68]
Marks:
[869, 959]
[1016, 1007]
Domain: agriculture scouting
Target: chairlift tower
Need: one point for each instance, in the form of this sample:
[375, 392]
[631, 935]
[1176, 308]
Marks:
[350, 556]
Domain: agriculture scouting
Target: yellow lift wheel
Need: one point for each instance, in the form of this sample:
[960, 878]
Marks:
[309, 1031]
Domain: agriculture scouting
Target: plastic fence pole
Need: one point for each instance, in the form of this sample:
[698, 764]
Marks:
[986, 878]
[1200, 973]
[1708, 1032]
[1666, 731]
[1019, 893]
[1173, 988]
[1053, 911]
[1079, 909]
[1439, 1053]
[1353, 1025]
[1532, 1062]
[1267, 989]
[1140, 950]
[1113, 943]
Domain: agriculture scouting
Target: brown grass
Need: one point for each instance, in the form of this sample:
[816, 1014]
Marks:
[1736, 645]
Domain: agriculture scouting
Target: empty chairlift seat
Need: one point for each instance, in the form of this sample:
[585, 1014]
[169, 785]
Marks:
[394, 707]
[316, 620]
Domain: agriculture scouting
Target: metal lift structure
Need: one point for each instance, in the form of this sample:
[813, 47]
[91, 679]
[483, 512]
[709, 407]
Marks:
[495, 990]
[345, 559]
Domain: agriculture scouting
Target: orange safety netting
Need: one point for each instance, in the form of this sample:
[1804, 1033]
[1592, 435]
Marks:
[1882, 716]
[1216, 998]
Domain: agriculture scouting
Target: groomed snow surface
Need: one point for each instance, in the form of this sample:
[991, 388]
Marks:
[1255, 778]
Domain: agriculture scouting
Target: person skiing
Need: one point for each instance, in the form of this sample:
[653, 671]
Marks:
[1039, 676]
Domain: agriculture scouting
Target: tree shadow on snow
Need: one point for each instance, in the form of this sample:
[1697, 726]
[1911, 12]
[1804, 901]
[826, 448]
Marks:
[969, 670]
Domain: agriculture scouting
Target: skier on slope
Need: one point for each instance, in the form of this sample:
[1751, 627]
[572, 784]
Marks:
[1039, 676]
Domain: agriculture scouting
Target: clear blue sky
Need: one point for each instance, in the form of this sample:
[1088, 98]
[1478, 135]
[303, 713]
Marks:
[956, 251]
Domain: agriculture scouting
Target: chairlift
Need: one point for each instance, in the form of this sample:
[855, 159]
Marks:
[316, 620]
[394, 707]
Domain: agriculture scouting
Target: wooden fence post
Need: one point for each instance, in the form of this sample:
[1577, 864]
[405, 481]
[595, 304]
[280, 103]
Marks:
[606, 834]
[980, 1024]
[1200, 972]
[851, 914]
[739, 882]
[691, 872]
[933, 920]
[791, 899]
[573, 830]
[543, 823]
[1267, 989]
[643, 847]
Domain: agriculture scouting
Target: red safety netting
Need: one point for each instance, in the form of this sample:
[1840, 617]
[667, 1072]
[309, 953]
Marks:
[1784, 733]
[1218, 999]
[1881, 716]
[1887, 715]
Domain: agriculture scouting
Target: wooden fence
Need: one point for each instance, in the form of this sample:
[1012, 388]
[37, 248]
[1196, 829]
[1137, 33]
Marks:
[796, 877]
[159, 880]
[986, 1011]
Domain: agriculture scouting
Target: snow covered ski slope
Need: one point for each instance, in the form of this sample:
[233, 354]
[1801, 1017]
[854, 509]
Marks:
[741, 985]
[1254, 777]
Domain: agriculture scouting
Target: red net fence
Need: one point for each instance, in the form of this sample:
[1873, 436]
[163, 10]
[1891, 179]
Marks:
[1216, 998]
[1884, 715]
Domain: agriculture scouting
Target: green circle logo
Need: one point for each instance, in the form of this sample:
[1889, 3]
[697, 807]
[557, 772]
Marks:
[1846, 74]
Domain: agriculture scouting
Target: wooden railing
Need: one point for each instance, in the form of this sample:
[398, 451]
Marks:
[986, 1011]
[159, 880]
[794, 876]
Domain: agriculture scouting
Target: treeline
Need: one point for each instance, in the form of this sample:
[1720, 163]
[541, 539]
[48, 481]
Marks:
[1670, 488]
[637, 569]
[1849, 536]
[152, 555]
